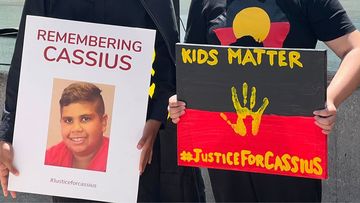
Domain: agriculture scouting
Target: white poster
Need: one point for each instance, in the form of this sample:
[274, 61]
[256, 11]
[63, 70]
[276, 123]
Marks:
[81, 109]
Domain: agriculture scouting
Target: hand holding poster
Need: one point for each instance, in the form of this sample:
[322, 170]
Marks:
[81, 109]
[251, 109]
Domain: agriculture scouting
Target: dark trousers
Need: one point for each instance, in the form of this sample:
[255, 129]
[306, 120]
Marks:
[165, 181]
[233, 186]
[65, 199]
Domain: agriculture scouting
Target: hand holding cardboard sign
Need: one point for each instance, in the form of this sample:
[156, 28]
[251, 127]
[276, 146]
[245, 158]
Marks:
[146, 143]
[6, 166]
[176, 109]
[243, 111]
[325, 118]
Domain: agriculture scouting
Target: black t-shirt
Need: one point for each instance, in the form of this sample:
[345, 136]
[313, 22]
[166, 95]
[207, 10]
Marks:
[114, 12]
[267, 23]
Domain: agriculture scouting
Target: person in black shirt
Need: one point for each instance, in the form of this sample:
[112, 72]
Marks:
[276, 23]
[158, 15]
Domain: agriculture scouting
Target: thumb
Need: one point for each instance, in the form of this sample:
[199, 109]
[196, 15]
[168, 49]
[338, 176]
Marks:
[9, 165]
[8, 156]
[141, 142]
[12, 169]
[173, 99]
[329, 110]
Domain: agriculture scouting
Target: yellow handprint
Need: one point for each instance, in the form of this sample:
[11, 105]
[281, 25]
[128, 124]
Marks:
[242, 112]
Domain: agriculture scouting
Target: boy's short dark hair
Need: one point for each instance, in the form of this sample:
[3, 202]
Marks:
[82, 91]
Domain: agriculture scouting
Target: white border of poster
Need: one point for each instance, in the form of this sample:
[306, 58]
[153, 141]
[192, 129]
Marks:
[44, 60]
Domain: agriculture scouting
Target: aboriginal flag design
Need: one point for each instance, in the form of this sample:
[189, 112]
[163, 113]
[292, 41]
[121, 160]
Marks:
[254, 23]
[252, 112]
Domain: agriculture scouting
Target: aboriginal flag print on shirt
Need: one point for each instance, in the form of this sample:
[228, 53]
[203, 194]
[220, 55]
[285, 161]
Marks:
[254, 23]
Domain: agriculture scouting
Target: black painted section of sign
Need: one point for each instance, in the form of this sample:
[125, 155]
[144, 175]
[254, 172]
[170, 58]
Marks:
[296, 91]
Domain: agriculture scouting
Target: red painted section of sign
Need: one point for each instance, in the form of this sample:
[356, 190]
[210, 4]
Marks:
[280, 146]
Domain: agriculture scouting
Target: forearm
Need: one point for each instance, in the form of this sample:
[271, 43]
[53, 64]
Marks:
[346, 79]
[164, 81]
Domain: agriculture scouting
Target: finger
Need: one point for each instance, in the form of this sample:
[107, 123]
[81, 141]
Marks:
[4, 185]
[173, 99]
[141, 163]
[328, 111]
[150, 157]
[2, 166]
[323, 113]
[150, 132]
[173, 102]
[175, 110]
[12, 169]
[325, 127]
[175, 120]
[4, 172]
[7, 159]
[143, 160]
[13, 194]
[325, 120]
[141, 142]
[176, 104]
[177, 114]
[326, 132]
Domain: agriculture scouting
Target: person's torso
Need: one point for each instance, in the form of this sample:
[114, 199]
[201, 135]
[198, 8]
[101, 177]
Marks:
[113, 12]
[262, 23]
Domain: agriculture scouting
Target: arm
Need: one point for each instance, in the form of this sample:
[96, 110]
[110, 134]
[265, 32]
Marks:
[31, 7]
[164, 80]
[346, 79]
[195, 27]
[202, 14]
[331, 24]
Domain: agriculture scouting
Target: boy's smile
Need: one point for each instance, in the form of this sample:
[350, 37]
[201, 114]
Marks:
[82, 128]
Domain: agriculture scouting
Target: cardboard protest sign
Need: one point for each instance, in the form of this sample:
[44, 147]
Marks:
[251, 109]
[81, 109]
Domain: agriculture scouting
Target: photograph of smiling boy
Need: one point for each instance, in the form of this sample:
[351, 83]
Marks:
[79, 125]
